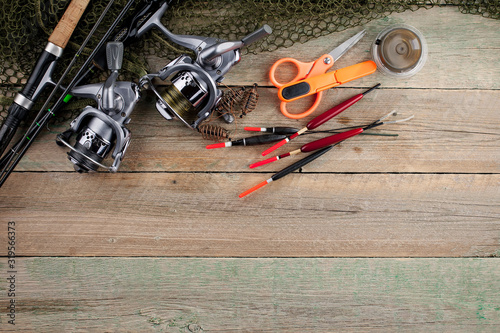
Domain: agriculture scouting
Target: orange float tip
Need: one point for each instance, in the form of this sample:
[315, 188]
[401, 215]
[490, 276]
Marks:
[253, 129]
[256, 187]
[269, 160]
[218, 145]
[273, 148]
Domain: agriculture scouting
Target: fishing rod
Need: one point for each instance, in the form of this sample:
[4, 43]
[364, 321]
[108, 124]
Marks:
[127, 33]
[40, 77]
[191, 97]
[26, 141]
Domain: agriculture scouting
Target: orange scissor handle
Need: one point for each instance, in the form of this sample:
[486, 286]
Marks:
[304, 69]
[313, 84]
[303, 114]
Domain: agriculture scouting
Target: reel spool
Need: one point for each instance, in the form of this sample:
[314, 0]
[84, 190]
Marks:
[184, 96]
[95, 141]
[96, 135]
[101, 131]
[400, 50]
[190, 96]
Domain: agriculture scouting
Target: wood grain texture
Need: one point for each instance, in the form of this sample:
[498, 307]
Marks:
[453, 98]
[463, 52]
[256, 295]
[453, 131]
[432, 192]
[302, 215]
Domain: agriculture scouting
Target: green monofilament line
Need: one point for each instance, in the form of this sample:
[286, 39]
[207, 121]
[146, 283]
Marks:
[179, 103]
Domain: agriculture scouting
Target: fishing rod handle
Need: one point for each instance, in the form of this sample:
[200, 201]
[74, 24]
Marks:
[64, 29]
[41, 74]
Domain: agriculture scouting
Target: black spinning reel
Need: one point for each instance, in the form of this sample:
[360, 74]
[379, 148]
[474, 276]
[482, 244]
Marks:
[100, 131]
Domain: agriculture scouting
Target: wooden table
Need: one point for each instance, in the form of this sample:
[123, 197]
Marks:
[381, 234]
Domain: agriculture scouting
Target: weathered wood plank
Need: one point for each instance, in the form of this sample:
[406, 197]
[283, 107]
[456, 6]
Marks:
[453, 131]
[456, 130]
[463, 52]
[174, 198]
[255, 295]
[200, 214]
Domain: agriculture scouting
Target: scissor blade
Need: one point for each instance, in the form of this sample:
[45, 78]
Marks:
[345, 46]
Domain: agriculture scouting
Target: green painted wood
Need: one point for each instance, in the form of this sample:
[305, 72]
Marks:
[255, 295]
[176, 199]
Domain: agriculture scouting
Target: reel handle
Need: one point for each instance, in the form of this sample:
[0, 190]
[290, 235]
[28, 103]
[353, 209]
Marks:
[114, 55]
[210, 54]
[264, 31]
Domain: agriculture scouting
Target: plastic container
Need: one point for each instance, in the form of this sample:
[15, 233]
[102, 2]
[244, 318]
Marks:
[400, 50]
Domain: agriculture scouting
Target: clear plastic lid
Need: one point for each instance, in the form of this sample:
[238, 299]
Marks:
[400, 50]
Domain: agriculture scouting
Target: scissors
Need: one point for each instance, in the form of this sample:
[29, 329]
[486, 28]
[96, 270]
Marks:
[313, 79]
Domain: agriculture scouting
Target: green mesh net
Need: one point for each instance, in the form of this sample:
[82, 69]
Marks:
[26, 26]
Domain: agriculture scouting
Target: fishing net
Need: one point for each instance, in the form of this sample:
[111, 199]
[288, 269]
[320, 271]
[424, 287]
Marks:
[26, 25]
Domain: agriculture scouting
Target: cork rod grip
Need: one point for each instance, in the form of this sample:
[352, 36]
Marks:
[64, 29]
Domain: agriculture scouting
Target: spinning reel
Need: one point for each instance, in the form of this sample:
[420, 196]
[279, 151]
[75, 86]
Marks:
[99, 129]
[193, 93]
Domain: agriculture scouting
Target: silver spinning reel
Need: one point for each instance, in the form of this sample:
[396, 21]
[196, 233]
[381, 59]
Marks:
[192, 93]
[190, 96]
[100, 131]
